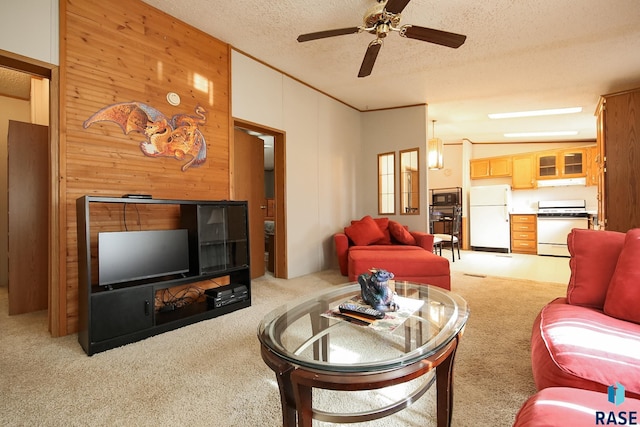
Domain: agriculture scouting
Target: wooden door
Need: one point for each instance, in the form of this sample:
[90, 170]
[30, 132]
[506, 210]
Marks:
[248, 179]
[28, 171]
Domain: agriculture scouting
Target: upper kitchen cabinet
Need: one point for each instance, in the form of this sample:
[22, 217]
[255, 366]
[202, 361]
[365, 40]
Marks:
[619, 144]
[570, 163]
[523, 172]
[574, 163]
[494, 167]
[547, 166]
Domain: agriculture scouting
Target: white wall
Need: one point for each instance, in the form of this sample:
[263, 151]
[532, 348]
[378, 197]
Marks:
[394, 130]
[452, 173]
[323, 159]
[30, 28]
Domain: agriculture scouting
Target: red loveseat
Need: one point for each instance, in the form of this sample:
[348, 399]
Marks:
[590, 339]
[383, 243]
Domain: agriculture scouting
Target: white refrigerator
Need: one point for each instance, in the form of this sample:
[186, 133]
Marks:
[489, 209]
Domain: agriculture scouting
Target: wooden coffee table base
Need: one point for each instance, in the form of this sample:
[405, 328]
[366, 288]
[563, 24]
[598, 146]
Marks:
[296, 385]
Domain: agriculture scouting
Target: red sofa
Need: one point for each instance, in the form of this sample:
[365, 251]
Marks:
[563, 406]
[590, 339]
[383, 243]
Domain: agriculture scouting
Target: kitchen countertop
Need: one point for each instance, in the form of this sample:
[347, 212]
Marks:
[523, 212]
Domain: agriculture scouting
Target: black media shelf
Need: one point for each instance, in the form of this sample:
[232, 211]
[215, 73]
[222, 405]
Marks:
[121, 313]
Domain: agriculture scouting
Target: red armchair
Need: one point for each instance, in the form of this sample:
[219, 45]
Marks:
[383, 243]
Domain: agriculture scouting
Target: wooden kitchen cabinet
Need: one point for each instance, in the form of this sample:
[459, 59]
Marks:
[523, 172]
[570, 163]
[524, 234]
[618, 140]
[490, 167]
[525, 169]
[573, 163]
[547, 165]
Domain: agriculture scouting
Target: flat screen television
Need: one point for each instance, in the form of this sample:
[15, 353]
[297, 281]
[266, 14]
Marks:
[125, 256]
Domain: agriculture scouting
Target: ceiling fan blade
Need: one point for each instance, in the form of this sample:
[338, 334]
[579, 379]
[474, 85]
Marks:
[370, 58]
[328, 33]
[430, 35]
[396, 6]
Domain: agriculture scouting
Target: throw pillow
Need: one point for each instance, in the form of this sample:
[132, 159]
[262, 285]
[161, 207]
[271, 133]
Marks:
[383, 224]
[364, 232]
[623, 296]
[400, 233]
[594, 255]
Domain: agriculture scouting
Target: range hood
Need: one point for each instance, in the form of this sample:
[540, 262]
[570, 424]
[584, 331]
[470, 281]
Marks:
[562, 182]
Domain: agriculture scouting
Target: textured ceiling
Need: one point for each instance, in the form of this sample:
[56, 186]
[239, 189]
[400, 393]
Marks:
[519, 55]
[14, 84]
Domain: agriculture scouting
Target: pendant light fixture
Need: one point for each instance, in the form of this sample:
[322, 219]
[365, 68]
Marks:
[434, 150]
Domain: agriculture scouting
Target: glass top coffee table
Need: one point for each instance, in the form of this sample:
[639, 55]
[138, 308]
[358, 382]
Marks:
[308, 345]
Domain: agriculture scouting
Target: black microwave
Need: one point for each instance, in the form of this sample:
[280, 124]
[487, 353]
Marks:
[445, 199]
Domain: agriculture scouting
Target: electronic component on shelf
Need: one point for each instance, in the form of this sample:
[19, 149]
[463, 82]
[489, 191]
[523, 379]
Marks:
[358, 310]
[217, 298]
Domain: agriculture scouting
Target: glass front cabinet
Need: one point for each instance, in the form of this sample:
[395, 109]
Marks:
[561, 164]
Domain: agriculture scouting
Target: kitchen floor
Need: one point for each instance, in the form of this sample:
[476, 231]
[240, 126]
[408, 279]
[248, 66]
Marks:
[520, 266]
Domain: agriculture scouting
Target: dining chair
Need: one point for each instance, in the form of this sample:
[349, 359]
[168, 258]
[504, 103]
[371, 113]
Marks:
[452, 238]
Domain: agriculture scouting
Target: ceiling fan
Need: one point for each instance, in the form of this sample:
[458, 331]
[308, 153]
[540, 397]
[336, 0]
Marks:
[380, 20]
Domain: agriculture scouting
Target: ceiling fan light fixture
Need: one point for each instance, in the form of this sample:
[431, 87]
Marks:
[435, 149]
[382, 30]
[381, 19]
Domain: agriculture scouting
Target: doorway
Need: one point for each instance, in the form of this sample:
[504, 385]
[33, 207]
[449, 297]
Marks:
[274, 217]
[42, 101]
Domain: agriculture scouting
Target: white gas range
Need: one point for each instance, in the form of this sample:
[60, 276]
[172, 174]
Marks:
[556, 219]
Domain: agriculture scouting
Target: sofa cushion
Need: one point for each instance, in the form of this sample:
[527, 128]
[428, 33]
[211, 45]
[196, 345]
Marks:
[410, 263]
[401, 234]
[574, 346]
[564, 406]
[594, 255]
[623, 295]
[364, 231]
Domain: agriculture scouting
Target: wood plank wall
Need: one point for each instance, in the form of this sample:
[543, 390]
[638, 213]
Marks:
[117, 51]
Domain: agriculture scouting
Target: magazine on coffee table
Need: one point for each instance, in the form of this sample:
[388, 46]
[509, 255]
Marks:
[392, 319]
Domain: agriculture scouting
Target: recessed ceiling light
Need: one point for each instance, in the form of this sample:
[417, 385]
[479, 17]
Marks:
[551, 133]
[550, 112]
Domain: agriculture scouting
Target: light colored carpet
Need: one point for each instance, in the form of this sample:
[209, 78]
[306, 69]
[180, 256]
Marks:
[211, 373]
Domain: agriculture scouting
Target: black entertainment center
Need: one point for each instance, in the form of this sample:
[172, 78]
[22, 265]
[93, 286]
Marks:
[133, 284]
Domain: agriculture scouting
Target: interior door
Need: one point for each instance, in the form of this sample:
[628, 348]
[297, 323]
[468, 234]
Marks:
[28, 166]
[248, 173]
